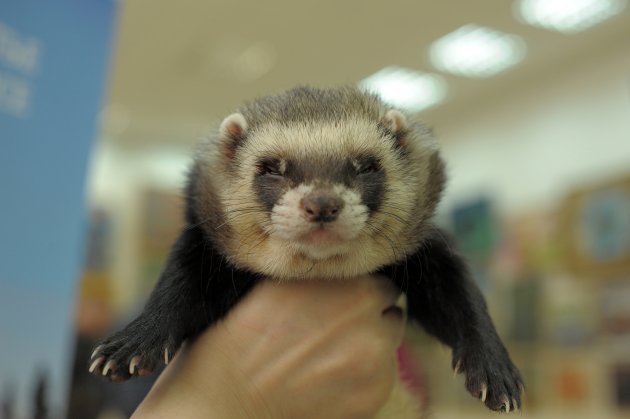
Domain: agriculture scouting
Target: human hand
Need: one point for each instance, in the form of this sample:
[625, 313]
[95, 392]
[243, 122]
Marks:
[302, 349]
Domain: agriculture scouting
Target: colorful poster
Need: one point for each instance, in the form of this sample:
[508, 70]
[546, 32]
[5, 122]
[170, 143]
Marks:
[598, 229]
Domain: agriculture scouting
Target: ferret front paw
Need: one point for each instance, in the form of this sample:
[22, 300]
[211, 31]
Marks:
[490, 376]
[136, 350]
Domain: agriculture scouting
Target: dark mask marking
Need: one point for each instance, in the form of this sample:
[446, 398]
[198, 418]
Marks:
[269, 189]
[371, 186]
[361, 173]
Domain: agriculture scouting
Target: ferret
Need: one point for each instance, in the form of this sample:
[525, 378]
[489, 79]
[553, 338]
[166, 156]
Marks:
[316, 183]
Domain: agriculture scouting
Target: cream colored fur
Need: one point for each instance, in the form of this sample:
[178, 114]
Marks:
[250, 242]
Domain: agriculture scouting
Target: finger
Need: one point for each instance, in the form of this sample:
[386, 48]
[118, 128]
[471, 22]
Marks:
[398, 309]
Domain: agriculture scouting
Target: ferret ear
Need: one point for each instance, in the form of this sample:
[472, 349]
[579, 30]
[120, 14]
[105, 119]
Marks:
[396, 123]
[232, 131]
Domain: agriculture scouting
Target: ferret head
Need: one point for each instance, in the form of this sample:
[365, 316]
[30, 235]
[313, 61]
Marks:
[316, 183]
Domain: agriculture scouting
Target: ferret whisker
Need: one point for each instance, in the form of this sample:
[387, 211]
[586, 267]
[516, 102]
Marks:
[400, 212]
[444, 240]
[252, 247]
[242, 207]
[191, 226]
[384, 226]
[235, 216]
[394, 216]
[388, 239]
[394, 205]
[244, 211]
[254, 230]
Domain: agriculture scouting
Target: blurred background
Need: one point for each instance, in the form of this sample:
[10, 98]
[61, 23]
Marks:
[530, 100]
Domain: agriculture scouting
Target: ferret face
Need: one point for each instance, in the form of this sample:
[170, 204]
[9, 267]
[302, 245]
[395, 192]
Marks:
[320, 198]
[320, 189]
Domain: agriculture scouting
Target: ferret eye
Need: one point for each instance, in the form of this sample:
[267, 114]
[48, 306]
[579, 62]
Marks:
[269, 170]
[270, 167]
[370, 166]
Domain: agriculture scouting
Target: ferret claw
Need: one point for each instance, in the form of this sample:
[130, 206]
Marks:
[108, 366]
[484, 393]
[514, 405]
[98, 361]
[506, 406]
[133, 364]
[96, 351]
[166, 358]
[458, 368]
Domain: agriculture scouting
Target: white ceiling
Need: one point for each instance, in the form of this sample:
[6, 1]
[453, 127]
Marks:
[179, 66]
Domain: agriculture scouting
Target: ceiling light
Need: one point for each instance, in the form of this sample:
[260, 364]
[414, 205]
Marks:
[406, 89]
[567, 16]
[476, 51]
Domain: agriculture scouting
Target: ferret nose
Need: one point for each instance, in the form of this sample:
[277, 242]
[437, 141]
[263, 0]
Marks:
[321, 208]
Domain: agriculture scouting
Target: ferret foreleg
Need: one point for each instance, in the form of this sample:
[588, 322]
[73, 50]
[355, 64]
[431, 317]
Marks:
[192, 293]
[443, 298]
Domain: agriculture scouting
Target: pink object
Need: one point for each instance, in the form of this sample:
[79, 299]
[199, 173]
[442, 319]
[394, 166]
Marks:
[412, 375]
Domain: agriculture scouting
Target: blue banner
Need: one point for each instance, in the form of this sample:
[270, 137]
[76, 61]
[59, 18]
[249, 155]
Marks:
[53, 65]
